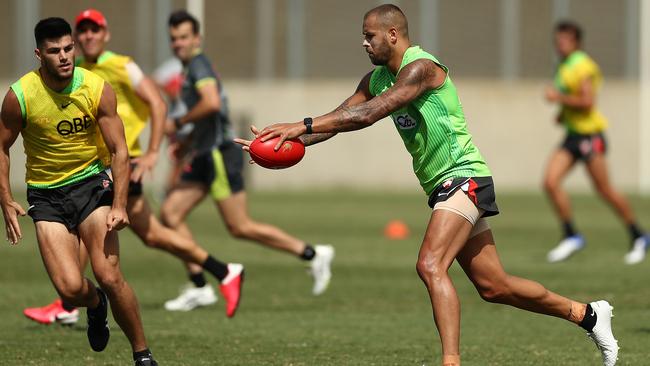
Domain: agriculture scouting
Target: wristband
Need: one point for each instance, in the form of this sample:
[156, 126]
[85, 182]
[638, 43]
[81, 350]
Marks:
[308, 121]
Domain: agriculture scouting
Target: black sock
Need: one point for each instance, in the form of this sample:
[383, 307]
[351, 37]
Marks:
[589, 320]
[197, 279]
[309, 253]
[67, 307]
[144, 353]
[567, 226]
[635, 232]
[218, 269]
[101, 309]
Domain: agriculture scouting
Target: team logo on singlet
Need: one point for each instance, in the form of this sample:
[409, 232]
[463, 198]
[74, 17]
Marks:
[404, 121]
[65, 127]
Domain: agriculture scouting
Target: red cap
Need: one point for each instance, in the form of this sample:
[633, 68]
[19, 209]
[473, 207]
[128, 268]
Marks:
[93, 15]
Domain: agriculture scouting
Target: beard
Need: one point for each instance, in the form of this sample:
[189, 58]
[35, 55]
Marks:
[380, 56]
[376, 61]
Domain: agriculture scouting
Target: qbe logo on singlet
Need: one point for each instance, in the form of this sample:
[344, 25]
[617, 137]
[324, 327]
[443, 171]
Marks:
[404, 121]
[65, 127]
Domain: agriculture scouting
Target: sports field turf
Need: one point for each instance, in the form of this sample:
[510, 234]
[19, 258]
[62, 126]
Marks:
[376, 311]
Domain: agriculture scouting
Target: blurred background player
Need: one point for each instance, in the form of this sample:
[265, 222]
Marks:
[577, 81]
[137, 97]
[214, 163]
[414, 89]
[63, 112]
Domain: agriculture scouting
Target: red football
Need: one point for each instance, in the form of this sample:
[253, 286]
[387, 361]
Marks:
[289, 154]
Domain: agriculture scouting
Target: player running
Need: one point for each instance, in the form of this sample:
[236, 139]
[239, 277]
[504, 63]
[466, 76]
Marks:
[213, 165]
[62, 112]
[577, 81]
[137, 98]
[415, 90]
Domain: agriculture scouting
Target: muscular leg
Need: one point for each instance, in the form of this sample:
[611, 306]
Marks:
[597, 168]
[559, 165]
[175, 209]
[234, 211]
[103, 250]
[179, 203]
[147, 227]
[60, 252]
[445, 236]
[480, 261]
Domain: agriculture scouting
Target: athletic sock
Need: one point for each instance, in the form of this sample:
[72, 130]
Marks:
[97, 311]
[67, 307]
[309, 253]
[589, 321]
[144, 353]
[568, 228]
[198, 279]
[635, 232]
[218, 269]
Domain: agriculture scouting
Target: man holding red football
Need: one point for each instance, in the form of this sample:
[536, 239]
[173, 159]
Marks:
[414, 89]
[214, 166]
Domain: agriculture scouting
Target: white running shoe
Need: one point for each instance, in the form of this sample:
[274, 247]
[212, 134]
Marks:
[602, 333]
[192, 297]
[566, 248]
[320, 268]
[68, 317]
[638, 251]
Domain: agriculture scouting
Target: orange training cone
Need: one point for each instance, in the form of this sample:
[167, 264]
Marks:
[396, 230]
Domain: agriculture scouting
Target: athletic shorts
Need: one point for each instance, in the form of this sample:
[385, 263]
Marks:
[71, 204]
[584, 147]
[135, 188]
[220, 170]
[480, 191]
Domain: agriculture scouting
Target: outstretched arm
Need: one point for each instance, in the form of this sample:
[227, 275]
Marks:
[413, 80]
[361, 95]
[11, 120]
[112, 130]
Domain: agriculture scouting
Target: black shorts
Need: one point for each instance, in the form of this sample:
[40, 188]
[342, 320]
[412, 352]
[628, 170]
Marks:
[480, 191]
[135, 188]
[584, 147]
[220, 170]
[71, 204]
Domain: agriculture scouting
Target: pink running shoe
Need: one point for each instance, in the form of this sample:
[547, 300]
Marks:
[231, 287]
[51, 313]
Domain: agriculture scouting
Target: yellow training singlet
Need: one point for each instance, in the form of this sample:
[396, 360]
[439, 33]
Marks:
[60, 131]
[570, 74]
[132, 110]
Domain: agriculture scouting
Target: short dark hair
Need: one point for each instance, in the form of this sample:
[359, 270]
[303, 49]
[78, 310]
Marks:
[568, 26]
[51, 28]
[390, 16]
[181, 16]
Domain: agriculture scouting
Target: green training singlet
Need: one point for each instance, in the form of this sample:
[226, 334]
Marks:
[433, 128]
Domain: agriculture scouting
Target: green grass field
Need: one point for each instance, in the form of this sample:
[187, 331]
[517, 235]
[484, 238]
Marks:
[376, 311]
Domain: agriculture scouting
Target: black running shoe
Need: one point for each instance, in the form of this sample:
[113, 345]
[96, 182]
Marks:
[146, 361]
[98, 333]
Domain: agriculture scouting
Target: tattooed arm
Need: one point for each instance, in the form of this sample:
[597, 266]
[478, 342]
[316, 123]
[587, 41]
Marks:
[413, 80]
[361, 95]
